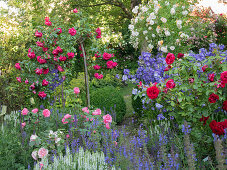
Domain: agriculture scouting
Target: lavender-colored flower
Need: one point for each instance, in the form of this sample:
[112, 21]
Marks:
[160, 117]
[117, 76]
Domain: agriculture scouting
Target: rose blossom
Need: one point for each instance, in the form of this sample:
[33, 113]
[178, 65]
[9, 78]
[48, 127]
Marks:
[180, 55]
[45, 71]
[106, 56]
[40, 60]
[109, 64]
[17, 66]
[18, 79]
[42, 94]
[75, 10]
[70, 55]
[55, 52]
[40, 44]
[85, 109]
[59, 30]
[170, 58]
[33, 138]
[35, 110]
[223, 77]
[46, 113]
[23, 124]
[204, 68]
[24, 111]
[152, 92]
[34, 155]
[47, 21]
[38, 34]
[62, 58]
[107, 118]
[96, 67]
[60, 68]
[45, 82]
[38, 71]
[59, 49]
[213, 98]
[97, 112]
[107, 126]
[45, 49]
[42, 152]
[170, 84]
[224, 105]
[76, 90]
[211, 77]
[26, 81]
[72, 31]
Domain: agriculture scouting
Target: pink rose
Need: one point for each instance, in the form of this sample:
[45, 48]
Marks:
[211, 77]
[33, 138]
[223, 77]
[170, 58]
[42, 152]
[97, 56]
[42, 94]
[75, 10]
[40, 44]
[67, 116]
[59, 49]
[24, 111]
[46, 113]
[59, 30]
[62, 58]
[97, 112]
[31, 55]
[32, 86]
[45, 71]
[98, 31]
[107, 126]
[100, 76]
[23, 124]
[107, 118]
[204, 68]
[109, 64]
[96, 67]
[85, 109]
[45, 82]
[106, 56]
[34, 91]
[170, 84]
[60, 69]
[26, 81]
[17, 66]
[34, 155]
[115, 64]
[70, 55]
[76, 90]
[38, 71]
[55, 52]
[72, 31]
[38, 34]
[18, 79]
[45, 49]
[40, 60]
[35, 110]
[47, 21]
[67, 136]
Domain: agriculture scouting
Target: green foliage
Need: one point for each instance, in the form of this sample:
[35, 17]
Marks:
[137, 105]
[221, 29]
[110, 99]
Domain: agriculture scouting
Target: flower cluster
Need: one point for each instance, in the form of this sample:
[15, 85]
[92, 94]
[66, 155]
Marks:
[218, 128]
[160, 25]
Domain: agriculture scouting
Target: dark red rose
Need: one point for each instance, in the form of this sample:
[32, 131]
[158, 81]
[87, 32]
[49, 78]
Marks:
[180, 55]
[204, 120]
[224, 77]
[224, 105]
[213, 98]
[170, 58]
[211, 77]
[45, 71]
[204, 68]
[152, 92]
[170, 84]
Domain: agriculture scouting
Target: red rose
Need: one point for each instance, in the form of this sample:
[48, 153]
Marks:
[213, 98]
[152, 92]
[38, 71]
[115, 64]
[40, 60]
[224, 105]
[211, 77]
[59, 30]
[45, 71]
[38, 34]
[204, 120]
[217, 127]
[45, 82]
[42, 94]
[96, 67]
[180, 55]
[60, 69]
[62, 58]
[224, 77]
[204, 68]
[40, 44]
[170, 84]
[170, 58]
[17, 66]
[224, 124]
[106, 56]
[59, 49]
[70, 55]
[166, 69]
[72, 31]
[109, 64]
[31, 55]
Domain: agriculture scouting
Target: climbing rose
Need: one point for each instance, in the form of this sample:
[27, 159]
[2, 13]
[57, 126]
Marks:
[26, 81]
[47, 21]
[107, 118]
[213, 98]
[96, 67]
[59, 49]
[76, 90]
[59, 30]
[17, 66]
[38, 34]
[60, 69]
[224, 77]
[70, 55]
[31, 55]
[46, 113]
[42, 94]
[211, 77]
[62, 58]
[97, 112]
[38, 71]
[152, 92]
[106, 56]
[170, 58]
[180, 55]
[109, 64]
[18, 79]
[24, 111]
[98, 31]
[45, 82]
[40, 60]
[170, 84]
[42, 152]
[45, 71]
[224, 105]
[39, 44]
[72, 31]
[35, 110]
[204, 68]
[107, 126]
[217, 127]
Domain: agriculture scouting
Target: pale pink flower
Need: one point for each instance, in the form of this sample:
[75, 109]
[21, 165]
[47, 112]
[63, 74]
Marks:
[107, 126]
[107, 118]
[46, 113]
[25, 111]
[42, 152]
[26, 81]
[34, 155]
[76, 90]
[33, 138]
[35, 110]
[97, 112]
[115, 143]
[67, 116]
[85, 109]
[94, 131]
[23, 124]
[67, 136]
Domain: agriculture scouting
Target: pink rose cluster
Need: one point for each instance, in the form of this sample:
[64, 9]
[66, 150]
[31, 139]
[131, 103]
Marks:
[111, 64]
[107, 119]
[98, 31]
[98, 76]
[76, 90]
[66, 119]
[41, 153]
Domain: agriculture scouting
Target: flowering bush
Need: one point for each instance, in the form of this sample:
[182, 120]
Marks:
[162, 25]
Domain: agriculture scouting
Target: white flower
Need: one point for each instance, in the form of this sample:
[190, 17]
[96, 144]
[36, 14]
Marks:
[144, 9]
[179, 22]
[135, 10]
[136, 20]
[151, 22]
[160, 43]
[179, 26]
[153, 35]
[156, 2]
[172, 11]
[183, 7]
[176, 5]
[144, 32]
[135, 33]
[167, 33]
[164, 20]
[185, 12]
[131, 27]
[150, 46]
[157, 29]
[177, 40]
[172, 48]
[146, 38]
[57, 139]
[166, 3]
[34, 155]
[149, 28]
[152, 15]
[164, 49]
[33, 138]
[192, 29]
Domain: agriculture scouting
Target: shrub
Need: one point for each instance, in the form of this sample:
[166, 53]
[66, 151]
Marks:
[110, 99]
[137, 105]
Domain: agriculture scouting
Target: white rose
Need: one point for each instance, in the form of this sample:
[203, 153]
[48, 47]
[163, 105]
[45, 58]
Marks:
[144, 9]
[164, 20]
[179, 22]
[172, 48]
[167, 33]
[151, 22]
[149, 28]
[172, 11]
[131, 27]
[135, 10]
[164, 49]
[166, 3]
[146, 38]
[150, 46]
